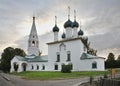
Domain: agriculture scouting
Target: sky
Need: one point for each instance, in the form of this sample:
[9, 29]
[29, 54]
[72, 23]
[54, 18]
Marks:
[100, 20]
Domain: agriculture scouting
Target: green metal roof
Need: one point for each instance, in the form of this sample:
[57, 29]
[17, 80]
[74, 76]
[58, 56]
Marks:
[33, 59]
[88, 56]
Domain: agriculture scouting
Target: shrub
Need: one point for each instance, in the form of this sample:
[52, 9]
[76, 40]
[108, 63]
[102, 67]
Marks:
[66, 69]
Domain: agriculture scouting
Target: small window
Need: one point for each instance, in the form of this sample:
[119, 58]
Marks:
[33, 43]
[58, 57]
[56, 67]
[37, 67]
[68, 56]
[32, 67]
[43, 67]
[94, 65]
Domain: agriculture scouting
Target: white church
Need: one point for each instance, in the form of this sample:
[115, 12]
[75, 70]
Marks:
[73, 49]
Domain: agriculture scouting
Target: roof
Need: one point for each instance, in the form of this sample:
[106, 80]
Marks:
[68, 23]
[33, 59]
[88, 56]
[66, 40]
[55, 29]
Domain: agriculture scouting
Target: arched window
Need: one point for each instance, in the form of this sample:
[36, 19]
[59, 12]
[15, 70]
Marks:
[62, 46]
[94, 65]
[37, 67]
[33, 43]
[43, 67]
[58, 57]
[56, 67]
[32, 67]
[68, 56]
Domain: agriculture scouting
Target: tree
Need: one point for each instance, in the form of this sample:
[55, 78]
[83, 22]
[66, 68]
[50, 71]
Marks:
[118, 62]
[20, 52]
[111, 56]
[111, 62]
[7, 56]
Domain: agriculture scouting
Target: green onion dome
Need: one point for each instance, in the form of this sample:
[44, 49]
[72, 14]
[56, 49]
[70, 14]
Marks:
[55, 29]
[80, 32]
[68, 24]
[63, 35]
[75, 24]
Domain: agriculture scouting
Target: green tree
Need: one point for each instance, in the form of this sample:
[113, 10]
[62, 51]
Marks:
[110, 62]
[20, 52]
[7, 56]
[118, 62]
[111, 56]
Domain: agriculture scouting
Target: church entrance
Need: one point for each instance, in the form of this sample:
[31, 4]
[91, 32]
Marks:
[24, 65]
[15, 66]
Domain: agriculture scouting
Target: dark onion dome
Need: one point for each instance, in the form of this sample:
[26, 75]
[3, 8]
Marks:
[68, 24]
[55, 29]
[75, 24]
[80, 32]
[63, 35]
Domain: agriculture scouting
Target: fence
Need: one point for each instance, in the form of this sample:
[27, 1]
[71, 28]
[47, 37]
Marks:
[108, 82]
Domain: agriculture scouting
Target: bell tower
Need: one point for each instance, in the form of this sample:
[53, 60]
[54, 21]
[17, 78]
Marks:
[33, 41]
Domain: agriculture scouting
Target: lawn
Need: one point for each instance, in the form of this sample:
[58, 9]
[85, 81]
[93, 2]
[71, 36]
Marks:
[45, 75]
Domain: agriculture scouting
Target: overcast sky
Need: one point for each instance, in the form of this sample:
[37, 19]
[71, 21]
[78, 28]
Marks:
[100, 22]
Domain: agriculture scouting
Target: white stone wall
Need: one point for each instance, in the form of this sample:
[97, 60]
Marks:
[86, 65]
[69, 33]
[76, 49]
[35, 64]
[75, 32]
[55, 36]
[33, 50]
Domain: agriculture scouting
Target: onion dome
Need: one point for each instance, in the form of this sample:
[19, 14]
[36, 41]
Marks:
[68, 24]
[63, 35]
[55, 28]
[80, 32]
[75, 23]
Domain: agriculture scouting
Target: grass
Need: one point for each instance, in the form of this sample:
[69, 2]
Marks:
[45, 75]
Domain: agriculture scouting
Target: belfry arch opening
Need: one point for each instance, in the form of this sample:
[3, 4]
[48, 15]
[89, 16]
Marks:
[33, 43]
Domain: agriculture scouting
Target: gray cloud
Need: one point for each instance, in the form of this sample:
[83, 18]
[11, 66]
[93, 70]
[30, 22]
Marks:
[100, 21]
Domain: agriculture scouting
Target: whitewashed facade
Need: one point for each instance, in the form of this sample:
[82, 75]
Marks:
[72, 49]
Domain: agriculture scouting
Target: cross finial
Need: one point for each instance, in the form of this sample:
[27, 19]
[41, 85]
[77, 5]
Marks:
[74, 14]
[68, 12]
[80, 25]
[55, 20]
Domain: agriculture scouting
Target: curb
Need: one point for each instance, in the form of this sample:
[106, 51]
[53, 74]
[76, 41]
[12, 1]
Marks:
[80, 83]
[6, 78]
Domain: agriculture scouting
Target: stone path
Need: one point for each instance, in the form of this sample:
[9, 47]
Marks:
[17, 81]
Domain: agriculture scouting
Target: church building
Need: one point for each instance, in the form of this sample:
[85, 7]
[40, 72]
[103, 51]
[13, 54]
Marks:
[72, 49]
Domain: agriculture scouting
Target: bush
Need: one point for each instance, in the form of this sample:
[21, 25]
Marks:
[66, 69]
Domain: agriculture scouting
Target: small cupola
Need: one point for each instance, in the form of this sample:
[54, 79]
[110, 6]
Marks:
[63, 35]
[55, 28]
[80, 32]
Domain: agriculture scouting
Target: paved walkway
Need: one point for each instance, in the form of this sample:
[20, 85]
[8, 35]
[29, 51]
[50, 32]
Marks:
[17, 81]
